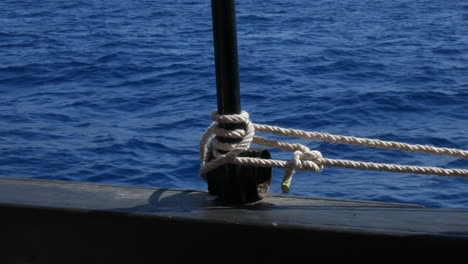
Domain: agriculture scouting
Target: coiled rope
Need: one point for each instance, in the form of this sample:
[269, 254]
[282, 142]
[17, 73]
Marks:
[303, 158]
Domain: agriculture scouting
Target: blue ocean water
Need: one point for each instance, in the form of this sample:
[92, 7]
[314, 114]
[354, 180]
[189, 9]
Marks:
[120, 91]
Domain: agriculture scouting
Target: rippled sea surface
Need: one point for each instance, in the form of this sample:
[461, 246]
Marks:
[120, 91]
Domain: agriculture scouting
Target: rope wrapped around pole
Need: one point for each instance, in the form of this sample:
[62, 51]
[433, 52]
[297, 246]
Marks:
[303, 158]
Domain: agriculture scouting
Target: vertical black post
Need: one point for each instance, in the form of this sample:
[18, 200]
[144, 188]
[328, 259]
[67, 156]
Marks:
[226, 60]
[232, 183]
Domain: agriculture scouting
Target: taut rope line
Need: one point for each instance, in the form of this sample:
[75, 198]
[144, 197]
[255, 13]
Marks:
[303, 158]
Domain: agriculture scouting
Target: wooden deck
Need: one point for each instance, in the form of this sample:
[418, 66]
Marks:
[71, 222]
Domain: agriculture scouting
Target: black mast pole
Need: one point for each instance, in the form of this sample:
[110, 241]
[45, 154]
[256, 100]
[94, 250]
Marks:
[232, 183]
[226, 59]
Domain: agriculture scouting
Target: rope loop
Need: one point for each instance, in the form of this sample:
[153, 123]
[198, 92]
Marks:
[224, 151]
[243, 117]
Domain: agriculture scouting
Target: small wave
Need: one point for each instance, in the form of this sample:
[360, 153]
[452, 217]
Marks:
[252, 18]
[52, 117]
[339, 52]
[107, 58]
[41, 13]
[448, 51]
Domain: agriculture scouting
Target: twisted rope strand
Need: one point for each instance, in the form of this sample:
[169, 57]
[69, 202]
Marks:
[365, 142]
[361, 165]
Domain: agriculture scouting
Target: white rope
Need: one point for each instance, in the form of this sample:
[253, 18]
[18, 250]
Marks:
[303, 158]
[225, 152]
[361, 141]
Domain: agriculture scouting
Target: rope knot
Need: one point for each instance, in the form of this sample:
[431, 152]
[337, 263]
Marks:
[227, 142]
[307, 160]
[302, 160]
[243, 117]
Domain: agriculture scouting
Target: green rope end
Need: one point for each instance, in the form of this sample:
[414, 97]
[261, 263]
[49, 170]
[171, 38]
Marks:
[285, 187]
